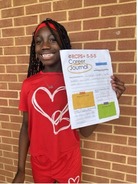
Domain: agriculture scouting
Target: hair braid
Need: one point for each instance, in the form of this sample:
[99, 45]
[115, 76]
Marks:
[35, 65]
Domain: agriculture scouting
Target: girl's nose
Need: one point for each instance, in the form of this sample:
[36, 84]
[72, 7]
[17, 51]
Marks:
[46, 45]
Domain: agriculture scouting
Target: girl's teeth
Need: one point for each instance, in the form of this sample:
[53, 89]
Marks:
[46, 56]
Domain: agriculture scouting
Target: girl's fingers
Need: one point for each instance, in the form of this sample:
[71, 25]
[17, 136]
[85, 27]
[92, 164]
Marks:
[118, 86]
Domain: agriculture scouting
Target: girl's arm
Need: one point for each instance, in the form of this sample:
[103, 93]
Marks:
[23, 150]
[119, 87]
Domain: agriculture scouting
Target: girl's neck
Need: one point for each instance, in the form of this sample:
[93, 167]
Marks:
[52, 69]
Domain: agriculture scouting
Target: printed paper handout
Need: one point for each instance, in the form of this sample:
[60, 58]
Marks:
[87, 75]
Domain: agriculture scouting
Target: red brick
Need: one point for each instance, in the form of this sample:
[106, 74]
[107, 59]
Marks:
[131, 90]
[124, 150]
[6, 41]
[14, 86]
[87, 169]
[3, 86]
[15, 50]
[12, 12]
[118, 9]
[134, 101]
[76, 45]
[23, 59]
[5, 147]
[132, 140]
[58, 16]
[8, 111]
[83, 14]
[2, 69]
[23, 40]
[111, 45]
[127, 79]
[123, 121]
[8, 94]
[129, 111]
[5, 4]
[72, 26]
[22, 77]
[99, 2]
[6, 133]
[4, 117]
[30, 30]
[3, 102]
[25, 2]
[122, 56]
[10, 168]
[99, 23]
[111, 157]
[8, 154]
[132, 160]
[97, 163]
[2, 179]
[11, 126]
[127, 45]
[84, 36]
[104, 128]
[16, 119]
[127, 20]
[134, 122]
[7, 77]
[86, 153]
[6, 23]
[93, 178]
[5, 60]
[10, 32]
[38, 8]
[24, 20]
[16, 68]
[112, 138]
[131, 178]
[125, 131]
[110, 174]
[125, 100]
[117, 33]
[1, 51]
[124, 168]
[15, 135]
[6, 173]
[9, 141]
[13, 103]
[116, 181]
[68, 4]
[97, 146]
[127, 68]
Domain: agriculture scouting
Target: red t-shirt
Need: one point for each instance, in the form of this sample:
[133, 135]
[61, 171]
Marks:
[44, 97]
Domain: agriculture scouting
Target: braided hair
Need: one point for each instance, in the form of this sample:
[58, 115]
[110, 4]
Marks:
[35, 65]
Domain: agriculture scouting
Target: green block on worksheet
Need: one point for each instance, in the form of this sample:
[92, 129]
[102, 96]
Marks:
[106, 110]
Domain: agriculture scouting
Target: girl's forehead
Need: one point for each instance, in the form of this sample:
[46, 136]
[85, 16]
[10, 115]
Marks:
[45, 31]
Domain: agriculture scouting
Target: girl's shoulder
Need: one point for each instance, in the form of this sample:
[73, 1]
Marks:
[32, 78]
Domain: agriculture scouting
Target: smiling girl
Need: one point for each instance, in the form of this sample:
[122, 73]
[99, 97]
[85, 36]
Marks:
[54, 147]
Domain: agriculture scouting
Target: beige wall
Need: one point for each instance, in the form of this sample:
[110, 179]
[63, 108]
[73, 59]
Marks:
[109, 154]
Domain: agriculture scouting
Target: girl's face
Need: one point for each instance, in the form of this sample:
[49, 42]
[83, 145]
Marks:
[47, 49]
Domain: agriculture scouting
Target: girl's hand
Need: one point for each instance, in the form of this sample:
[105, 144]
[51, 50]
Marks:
[118, 86]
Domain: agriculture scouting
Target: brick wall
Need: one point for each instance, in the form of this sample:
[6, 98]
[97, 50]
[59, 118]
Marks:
[109, 154]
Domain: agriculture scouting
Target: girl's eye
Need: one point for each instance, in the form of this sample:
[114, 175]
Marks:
[52, 40]
[37, 42]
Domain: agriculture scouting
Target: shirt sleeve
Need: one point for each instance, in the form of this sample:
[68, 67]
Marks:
[23, 105]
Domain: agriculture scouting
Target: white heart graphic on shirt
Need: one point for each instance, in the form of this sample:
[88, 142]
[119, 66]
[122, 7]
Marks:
[60, 113]
[72, 180]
